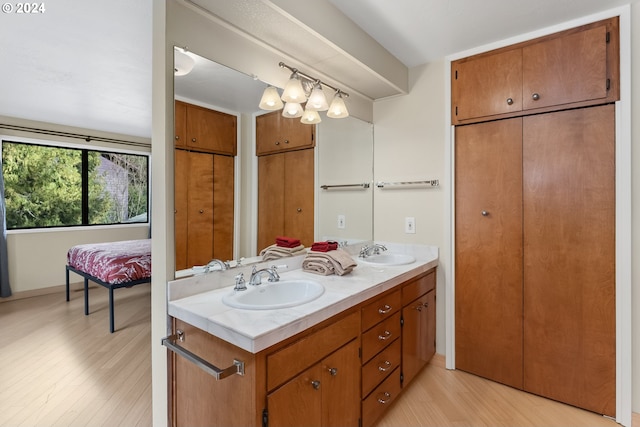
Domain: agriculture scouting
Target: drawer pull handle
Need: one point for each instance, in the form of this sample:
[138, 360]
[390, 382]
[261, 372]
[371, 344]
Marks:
[384, 397]
[384, 366]
[385, 309]
[426, 304]
[315, 384]
[419, 307]
[193, 140]
[385, 336]
[535, 96]
[509, 101]
[277, 142]
[333, 371]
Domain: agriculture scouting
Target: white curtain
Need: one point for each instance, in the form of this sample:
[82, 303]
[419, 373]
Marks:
[5, 289]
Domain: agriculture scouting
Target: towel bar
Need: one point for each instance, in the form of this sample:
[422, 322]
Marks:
[327, 187]
[430, 183]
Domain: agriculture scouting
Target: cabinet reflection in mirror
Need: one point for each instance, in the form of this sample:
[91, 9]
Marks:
[218, 211]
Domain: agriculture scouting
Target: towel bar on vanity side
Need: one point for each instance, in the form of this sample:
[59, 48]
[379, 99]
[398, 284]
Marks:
[429, 183]
[328, 187]
[219, 374]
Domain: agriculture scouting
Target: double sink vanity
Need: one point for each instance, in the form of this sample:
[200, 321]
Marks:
[306, 349]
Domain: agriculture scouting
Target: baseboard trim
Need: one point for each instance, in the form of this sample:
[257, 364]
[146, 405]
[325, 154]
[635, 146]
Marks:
[73, 287]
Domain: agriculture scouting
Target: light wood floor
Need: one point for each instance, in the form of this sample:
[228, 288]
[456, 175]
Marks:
[59, 367]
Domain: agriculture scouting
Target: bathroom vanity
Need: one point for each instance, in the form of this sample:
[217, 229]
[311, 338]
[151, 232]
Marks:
[340, 359]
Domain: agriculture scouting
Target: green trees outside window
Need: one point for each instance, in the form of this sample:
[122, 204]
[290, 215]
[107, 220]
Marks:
[48, 186]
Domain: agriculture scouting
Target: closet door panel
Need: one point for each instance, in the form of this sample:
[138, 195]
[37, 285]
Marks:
[488, 262]
[569, 257]
[298, 190]
[270, 199]
[223, 198]
[181, 218]
[200, 232]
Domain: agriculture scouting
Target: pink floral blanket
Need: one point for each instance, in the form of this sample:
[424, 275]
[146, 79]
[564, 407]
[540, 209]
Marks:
[113, 262]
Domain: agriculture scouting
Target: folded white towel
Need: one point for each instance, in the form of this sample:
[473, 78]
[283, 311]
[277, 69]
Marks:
[332, 262]
[274, 252]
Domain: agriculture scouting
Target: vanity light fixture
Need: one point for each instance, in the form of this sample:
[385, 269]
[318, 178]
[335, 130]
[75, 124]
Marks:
[182, 62]
[271, 99]
[304, 89]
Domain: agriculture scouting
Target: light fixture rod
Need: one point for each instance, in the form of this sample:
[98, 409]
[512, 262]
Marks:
[312, 79]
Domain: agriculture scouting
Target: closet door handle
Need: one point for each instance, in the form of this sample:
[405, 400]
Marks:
[509, 101]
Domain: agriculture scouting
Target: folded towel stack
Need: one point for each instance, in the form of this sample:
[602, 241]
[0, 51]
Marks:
[276, 252]
[324, 246]
[287, 242]
[337, 261]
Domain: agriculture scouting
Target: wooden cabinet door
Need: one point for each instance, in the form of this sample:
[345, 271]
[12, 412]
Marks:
[569, 257]
[275, 133]
[180, 112]
[567, 69]
[488, 250]
[271, 198]
[200, 208]
[341, 387]
[298, 195]
[418, 335]
[298, 402]
[486, 85]
[181, 218]
[210, 130]
[223, 202]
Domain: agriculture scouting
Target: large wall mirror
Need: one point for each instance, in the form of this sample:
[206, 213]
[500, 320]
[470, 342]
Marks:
[343, 156]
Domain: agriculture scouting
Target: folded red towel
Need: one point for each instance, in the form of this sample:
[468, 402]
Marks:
[324, 246]
[287, 242]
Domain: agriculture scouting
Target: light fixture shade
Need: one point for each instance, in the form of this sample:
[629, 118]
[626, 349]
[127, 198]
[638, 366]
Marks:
[292, 110]
[338, 109]
[271, 99]
[317, 100]
[310, 117]
[182, 63]
[293, 91]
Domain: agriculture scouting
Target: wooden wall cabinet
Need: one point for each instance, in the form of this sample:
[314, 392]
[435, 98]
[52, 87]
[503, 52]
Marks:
[201, 129]
[204, 205]
[574, 68]
[275, 134]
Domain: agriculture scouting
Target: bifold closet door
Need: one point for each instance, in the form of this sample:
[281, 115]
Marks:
[569, 257]
[488, 247]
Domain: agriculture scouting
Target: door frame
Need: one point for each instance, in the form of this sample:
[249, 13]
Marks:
[623, 202]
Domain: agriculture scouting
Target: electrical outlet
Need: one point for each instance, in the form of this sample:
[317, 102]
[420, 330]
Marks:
[410, 225]
[341, 221]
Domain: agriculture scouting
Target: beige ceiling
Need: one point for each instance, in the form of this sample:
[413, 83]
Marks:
[88, 63]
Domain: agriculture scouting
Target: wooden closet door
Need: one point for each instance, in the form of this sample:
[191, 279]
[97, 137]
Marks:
[181, 218]
[223, 198]
[488, 250]
[270, 199]
[569, 257]
[298, 190]
[200, 232]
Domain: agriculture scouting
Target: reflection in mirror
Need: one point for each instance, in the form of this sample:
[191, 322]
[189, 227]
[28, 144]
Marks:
[344, 149]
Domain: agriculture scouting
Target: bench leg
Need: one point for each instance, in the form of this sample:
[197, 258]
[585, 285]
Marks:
[86, 297]
[111, 321]
[67, 270]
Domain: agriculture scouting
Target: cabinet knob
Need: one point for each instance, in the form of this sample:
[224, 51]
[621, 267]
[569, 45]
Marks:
[485, 213]
[299, 209]
[333, 371]
[535, 96]
[177, 137]
[193, 140]
[286, 141]
[277, 142]
[384, 397]
[509, 101]
[385, 309]
[315, 384]
[418, 307]
[426, 304]
[384, 366]
[385, 336]
[201, 211]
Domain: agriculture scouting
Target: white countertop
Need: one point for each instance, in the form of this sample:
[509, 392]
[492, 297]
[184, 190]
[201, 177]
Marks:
[197, 300]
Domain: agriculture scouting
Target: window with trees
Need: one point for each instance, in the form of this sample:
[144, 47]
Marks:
[48, 186]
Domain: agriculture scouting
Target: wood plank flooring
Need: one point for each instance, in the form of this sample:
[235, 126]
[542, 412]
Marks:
[59, 367]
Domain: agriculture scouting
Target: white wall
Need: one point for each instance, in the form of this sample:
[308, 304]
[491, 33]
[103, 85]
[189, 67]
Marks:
[410, 146]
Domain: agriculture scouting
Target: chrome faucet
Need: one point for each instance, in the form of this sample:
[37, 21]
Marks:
[256, 275]
[223, 265]
[374, 249]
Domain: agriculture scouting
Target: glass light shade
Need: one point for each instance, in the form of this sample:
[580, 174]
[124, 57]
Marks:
[317, 100]
[338, 109]
[292, 110]
[271, 99]
[182, 63]
[310, 117]
[293, 91]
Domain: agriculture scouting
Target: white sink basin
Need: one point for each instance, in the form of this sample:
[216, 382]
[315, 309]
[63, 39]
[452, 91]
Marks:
[281, 294]
[388, 259]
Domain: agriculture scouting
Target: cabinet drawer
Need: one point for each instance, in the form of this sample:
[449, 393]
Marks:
[418, 287]
[380, 309]
[380, 399]
[293, 359]
[380, 336]
[378, 368]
